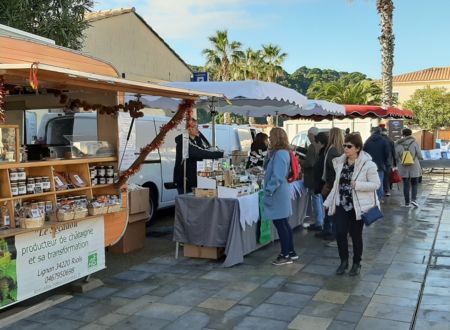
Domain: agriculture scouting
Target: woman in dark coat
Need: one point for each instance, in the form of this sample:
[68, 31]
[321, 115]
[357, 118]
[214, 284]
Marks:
[258, 150]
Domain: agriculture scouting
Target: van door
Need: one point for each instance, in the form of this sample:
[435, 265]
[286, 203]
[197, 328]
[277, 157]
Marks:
[245, 137]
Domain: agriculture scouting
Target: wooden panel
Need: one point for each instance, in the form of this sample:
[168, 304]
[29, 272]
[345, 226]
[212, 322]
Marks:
[115, 226]
[60, 162]
[5, 187]
[25, 51]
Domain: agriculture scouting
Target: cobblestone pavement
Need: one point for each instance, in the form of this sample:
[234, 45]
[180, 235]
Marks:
[404, 284]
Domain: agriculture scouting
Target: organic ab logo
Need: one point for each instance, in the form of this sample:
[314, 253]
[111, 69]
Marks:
[92, 260]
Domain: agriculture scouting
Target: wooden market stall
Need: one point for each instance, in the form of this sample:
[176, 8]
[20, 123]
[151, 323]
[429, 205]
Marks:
[36, 256]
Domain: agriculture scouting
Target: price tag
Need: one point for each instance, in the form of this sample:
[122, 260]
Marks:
[6, 220]
[78, 179]
[58, 181]
[35, 213]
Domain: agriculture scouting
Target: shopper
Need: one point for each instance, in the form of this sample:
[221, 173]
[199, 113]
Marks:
[277, 196]
[353, 193]
[322, 141]
[391, 162]
[198, 150]
[334, 149]
[307, 165]
[409, 173]
[258, 150]
[377, 147]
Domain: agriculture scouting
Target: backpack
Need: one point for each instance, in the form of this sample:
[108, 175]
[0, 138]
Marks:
[407, 157]
[294, 168]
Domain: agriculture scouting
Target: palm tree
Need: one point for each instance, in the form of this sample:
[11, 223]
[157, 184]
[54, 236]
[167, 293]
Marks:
[223, 55]
[385, 9]
[363, 92]
[250, 65]
[273, 58]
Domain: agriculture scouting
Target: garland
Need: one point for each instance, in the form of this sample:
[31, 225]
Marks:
[185, 110]
[2, 101]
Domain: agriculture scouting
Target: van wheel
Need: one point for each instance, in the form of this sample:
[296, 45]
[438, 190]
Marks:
[153, 204]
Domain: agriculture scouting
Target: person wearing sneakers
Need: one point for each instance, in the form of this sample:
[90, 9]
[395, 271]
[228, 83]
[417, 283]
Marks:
[353, 193]
[409, 172]
[277, 194]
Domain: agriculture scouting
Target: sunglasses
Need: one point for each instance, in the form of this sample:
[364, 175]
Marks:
[348, 146]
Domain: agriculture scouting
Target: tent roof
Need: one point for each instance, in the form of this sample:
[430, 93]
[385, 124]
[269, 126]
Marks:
[376, 111]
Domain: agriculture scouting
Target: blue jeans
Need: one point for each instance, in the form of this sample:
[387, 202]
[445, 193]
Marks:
[319, 210]
[380, 191]
[285, 234]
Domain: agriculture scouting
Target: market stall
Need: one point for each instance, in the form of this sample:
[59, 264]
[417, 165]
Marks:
[376, 111]
[62, 205]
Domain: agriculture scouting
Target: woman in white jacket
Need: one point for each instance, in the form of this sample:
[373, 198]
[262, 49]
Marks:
[353, 193]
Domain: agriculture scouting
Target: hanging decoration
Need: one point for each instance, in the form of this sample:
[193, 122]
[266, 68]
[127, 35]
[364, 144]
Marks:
[34, 81]
[185, 110]
[2, 101]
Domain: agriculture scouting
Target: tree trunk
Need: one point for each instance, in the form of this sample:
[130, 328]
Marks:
[385, 9]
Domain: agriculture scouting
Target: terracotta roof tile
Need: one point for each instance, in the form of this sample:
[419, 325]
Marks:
[431, 74]
[102, 14]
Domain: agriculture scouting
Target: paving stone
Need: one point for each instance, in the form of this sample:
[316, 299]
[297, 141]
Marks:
[356, 304]
[93, 326]
[222, 276]
[235, 313]
[137, 305]
[321, 309]
[276, 312]
[163, 311]
[431, 325]
[347, 316]
[257, 297]
[150, 268]
[165, 289]
[380, 324]
[341, 325]
[430, 290]
[135, 291]
[77, 302]
[165, 260]
[51, 314]
[63, 324]
[218, 304]
[401, 284]
[398, 301]
[132, 275]
[433, 315]
[90, 313]
[100, 293]
[319, 270]
[298, 288]
[366, 289]
[397, 292]
[25, 325]
[308, 279]
[187, 296]
[289, 299]
[138, 323]
[192, 320]
[275, 282]
[389, 312]
[310, 322]
[252, 323]
[231, 294]
[111, 319]
[333, 297]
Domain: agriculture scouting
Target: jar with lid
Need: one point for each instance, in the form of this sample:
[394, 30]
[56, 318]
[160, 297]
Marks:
[94, 181]
[93, 171]
[101, 180]
[109, 180]
[110, 170]
[38, 185]
[13, 176]
[48, 207]
[5, 220]
[46, 187]
[41, 206]
[21, 174]
[22, 188]
[30, 186]
[100, 171]
[14, 189]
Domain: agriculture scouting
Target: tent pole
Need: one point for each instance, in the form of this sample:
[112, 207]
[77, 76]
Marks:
[212, 110]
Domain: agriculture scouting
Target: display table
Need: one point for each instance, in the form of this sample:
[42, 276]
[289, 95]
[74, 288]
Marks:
[216, 222]
[435, 163]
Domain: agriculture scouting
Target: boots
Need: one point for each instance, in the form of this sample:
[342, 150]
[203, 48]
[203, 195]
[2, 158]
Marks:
[356, 268]
[342, 267]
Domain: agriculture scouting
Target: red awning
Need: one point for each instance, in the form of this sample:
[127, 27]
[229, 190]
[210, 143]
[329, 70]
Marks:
[375, 111]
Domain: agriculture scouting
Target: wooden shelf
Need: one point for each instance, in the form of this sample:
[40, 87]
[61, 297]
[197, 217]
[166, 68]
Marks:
[50, 224]
[33, 195]
[68, 191]
[58, 162]
[110, 185]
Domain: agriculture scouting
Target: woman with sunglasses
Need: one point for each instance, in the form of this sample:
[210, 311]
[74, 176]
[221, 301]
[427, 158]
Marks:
[353, 193]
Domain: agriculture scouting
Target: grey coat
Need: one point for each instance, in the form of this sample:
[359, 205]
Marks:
[308, 165]
[408, 171]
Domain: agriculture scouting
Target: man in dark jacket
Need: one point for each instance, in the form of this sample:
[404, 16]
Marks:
[377, 147]
[391, 163]
[198, 150]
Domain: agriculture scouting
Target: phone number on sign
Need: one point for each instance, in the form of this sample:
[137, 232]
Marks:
[60, 274]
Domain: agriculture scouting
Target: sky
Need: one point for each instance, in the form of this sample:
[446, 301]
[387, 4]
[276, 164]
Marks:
[327, 34]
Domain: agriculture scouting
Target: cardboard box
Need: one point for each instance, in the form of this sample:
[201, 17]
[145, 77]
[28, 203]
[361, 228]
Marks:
[208, 193]
[138, 217]
[132, 240]
[204, 252]
[138, 201]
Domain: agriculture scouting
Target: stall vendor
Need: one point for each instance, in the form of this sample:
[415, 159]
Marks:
[258, 150]
[198, 150]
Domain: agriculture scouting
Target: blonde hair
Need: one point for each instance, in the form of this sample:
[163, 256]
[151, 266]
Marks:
[279, 139]
[336, 139]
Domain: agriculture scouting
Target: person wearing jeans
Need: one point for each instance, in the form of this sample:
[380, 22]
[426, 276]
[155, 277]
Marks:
[380, 191]
[284, 231]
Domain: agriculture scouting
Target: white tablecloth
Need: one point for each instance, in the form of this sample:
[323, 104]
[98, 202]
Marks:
[249, 209]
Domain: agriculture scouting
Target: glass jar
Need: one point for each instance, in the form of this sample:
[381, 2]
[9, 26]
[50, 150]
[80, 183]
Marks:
[41, 206]
[14, 189]
[30, 186]
[94, 181]
[101, 180]
[110, 170]
[46, 187]
[38, 185]
[109, 180]
[48, 207]
[22, 188]
[21, 174]
[13, 177]
[101, 171]
[93, 171]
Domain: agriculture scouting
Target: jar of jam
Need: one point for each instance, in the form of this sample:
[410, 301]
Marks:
[46, 184]
[101, 171]
[13, 175]
[101, 180]
[14, 189]
[109, 180]
[22, 188]
[94, 181]
[30, 186]
[21, 174]
[48, 207]
[38, 185]
[110, 170]
[41, 206]
[93, 171]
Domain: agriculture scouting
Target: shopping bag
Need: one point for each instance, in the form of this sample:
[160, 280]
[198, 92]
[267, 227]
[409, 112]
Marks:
[265, 225]
[395, 176]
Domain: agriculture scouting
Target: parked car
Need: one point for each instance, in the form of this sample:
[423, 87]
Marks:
[301, 139]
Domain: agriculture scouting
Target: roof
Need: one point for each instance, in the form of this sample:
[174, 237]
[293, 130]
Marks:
[431, 74]
[105, 14]
[375, 111]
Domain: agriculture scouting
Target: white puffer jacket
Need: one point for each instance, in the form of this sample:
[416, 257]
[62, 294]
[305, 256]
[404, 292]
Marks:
[366, 180]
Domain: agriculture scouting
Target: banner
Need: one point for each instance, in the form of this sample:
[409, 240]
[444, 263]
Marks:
[44, 259]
